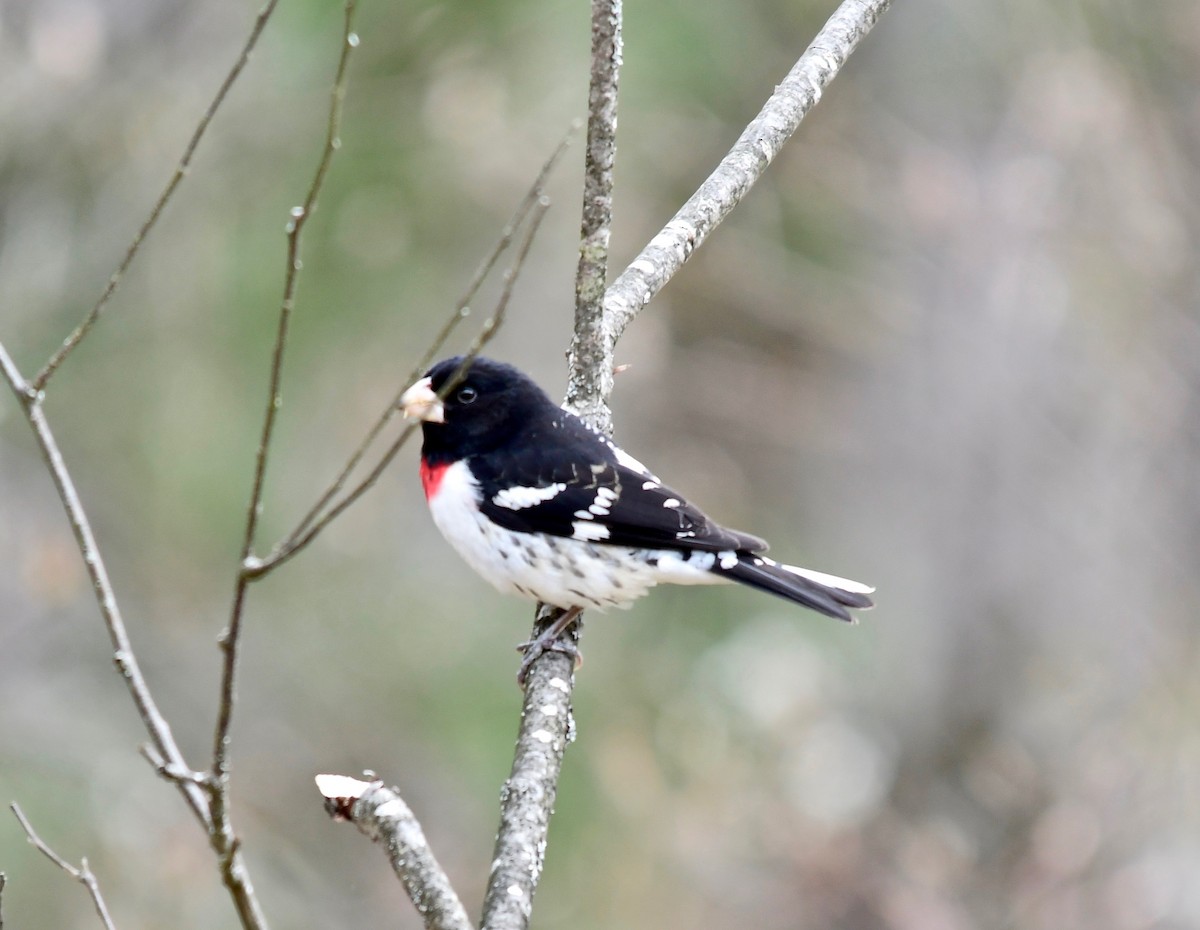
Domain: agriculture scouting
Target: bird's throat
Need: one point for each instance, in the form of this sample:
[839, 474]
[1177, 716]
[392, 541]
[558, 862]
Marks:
[431, 476]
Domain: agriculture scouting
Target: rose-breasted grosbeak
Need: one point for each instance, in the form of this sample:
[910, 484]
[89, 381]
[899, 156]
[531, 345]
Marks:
[542, 505]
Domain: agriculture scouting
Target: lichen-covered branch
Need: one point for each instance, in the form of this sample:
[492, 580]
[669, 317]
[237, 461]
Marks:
[381, 814]
[754, 150]
[547, 726]
[601, 316]
[527, 798]
[589, 379]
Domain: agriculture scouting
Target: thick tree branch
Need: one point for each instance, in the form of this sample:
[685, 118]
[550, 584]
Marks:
[83, 874]
[547, 724]
[735, 175]
[589, 381]
[381, 814]
[527, 798]
[600, 319]
[76, 336]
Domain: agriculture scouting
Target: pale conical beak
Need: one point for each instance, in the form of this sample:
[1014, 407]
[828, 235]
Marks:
[422, 403]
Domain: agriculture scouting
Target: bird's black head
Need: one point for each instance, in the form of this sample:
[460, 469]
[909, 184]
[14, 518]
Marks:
[489, 404]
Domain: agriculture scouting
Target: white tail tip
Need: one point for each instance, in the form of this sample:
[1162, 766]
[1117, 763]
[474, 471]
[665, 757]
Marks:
[830, 581]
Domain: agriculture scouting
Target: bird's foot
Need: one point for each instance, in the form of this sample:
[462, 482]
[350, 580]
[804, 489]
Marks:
[551, 639]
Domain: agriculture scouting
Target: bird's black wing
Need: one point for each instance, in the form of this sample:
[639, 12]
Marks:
[579, 485]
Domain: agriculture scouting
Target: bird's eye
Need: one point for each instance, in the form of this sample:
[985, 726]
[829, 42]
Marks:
[467, 394]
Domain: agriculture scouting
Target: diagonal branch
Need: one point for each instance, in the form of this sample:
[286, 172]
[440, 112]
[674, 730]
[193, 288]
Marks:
[76, 336]
[82, 874]
[381, 814]
[123, 655]
[293, 543]
[735, 175]
[256, 568]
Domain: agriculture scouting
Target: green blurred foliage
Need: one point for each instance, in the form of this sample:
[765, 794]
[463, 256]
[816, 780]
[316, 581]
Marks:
[949, 345]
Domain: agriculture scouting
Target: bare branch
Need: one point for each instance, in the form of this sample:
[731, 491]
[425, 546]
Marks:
[181, 170]
[461, 311]
[258, 568]
[83, 874]
[381, 814]
[174, 773]
[737, 172]
[123, 654]
[589, 380]
[547, 725]
[224, 839]
[600, 319]
[527, 798]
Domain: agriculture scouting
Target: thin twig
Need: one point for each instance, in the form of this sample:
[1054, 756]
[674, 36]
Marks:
[547, 725]
[123, 654]
[257, 568]
[735, 175]
[83, 874]
[224, 838]
[174, 773]
[69, 344]
[461, 311]
[381, 814]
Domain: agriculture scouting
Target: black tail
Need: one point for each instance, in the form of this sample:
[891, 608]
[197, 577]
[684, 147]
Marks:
[826, 594]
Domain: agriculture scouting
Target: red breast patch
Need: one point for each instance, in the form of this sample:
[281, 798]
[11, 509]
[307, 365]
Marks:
[431, 477]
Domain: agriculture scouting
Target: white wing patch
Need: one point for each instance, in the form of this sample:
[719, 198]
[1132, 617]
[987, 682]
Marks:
[672, 502]
[603, 502]
[624, 458]
[589, 532]
[519, 498]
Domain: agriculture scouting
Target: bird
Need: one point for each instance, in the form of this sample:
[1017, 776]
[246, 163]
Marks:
[543, 506]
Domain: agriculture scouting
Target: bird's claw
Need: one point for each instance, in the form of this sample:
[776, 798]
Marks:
[535, 648]
[555, 638]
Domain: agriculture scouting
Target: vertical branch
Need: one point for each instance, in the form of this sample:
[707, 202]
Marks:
[590, 360]
[223, 836]
[547, 725]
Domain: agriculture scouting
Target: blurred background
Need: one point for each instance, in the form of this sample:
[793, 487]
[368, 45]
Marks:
[950, 345]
